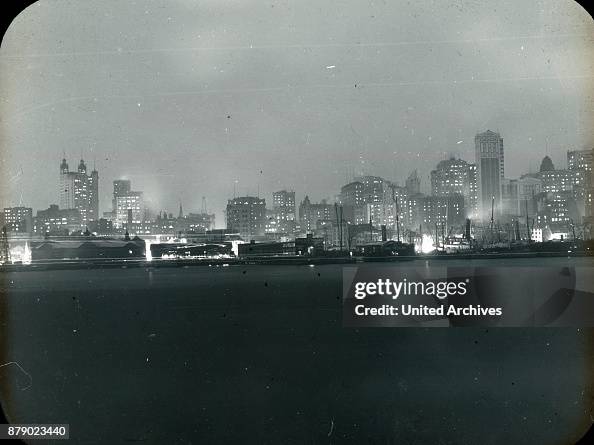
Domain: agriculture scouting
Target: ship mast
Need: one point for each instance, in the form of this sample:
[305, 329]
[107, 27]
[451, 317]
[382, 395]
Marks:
[527, 224]
[397, 219]
[491, 227]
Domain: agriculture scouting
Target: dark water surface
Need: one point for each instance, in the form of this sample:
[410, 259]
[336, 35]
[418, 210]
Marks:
[258, 354]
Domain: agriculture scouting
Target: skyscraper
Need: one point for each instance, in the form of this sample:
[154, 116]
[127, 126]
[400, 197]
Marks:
[247, 216]
[66, 191]
[563, 181]
[456, 177]
[128, 205]
[283, 210]
[473, 211]
[518, 196]
[352, 194]
[120, 188]
[489, 161]
[580, 160]
[352, 199]
[413, 184]
[583, 160]
[284, 199]
[80, 191]
[373, 197]
[129, 210]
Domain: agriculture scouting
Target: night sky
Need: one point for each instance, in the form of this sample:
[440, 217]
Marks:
[188, 99]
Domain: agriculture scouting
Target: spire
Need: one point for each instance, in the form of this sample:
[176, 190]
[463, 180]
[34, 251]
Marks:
[181, 212]
[64, 166]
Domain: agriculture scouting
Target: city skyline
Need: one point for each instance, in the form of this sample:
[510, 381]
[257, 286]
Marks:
[279, 98]
[557, 199]
[205, 203]
[426, 181]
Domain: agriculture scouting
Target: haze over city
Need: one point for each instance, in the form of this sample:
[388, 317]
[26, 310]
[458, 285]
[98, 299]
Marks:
[205, 204]
[189, 100]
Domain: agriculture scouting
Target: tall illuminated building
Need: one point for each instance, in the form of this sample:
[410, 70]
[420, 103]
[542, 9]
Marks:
[490, 169]
[79, 190]
[128, 205]
[120, 188]
[246, 215]
[456, 177]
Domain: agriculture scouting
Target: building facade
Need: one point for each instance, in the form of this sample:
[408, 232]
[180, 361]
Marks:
[121, 187]
[580, 160]
[583, 160]
[129, 209]
[353, 202]
[563, 181]
[442, 212]
[18, 220]
[56, 221]
[518, 196]
[246, 215]
[79, 190]
[283, 215]
[456, 177]
[196, 222]
[557, 211]
[413, 183]
[490, 171]
[310, 214]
